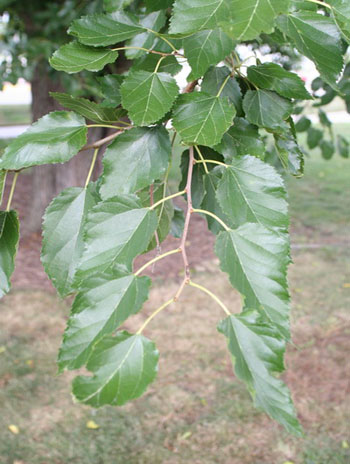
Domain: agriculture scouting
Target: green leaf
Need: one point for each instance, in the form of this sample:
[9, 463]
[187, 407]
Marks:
[55, 138]
[197, 184]
[324, 118]
[303, 124]
[110, 88]
[206, 48]
[249, 18]
[104, 29]
[241, 139]
[3, 175]
[135, 160]
[114, 5]
[210, 201]
[266, 109]
[153, 5]
[148, 96]
[213, 81]
[103, 303]
[314, 137]
[316, 37]
[177, 222]
[123, 367]
[327, 149]
[75, 57]
[9, 237]
[271, 76]
[257, 352]
[343, 146]
[149, 62]
[115, 232]
[341, 16]
[195, 15]
[289, 153]
[63, 235]
[89, 109]
[256, 260]
[154, 21]
[252, 191]
[202, 119]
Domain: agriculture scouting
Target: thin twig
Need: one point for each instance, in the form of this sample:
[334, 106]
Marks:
[101, 142]
[190, 86]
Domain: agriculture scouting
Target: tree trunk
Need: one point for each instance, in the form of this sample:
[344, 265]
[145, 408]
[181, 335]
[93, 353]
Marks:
[49, 180]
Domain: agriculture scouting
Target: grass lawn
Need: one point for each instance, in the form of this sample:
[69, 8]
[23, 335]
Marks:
[197, 412]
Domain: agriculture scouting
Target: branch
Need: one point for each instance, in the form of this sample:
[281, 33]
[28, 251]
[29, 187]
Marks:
[101, 142]
[190, 86]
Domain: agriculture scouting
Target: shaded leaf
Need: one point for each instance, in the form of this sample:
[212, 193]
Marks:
[135, 160]
[206, 48]
[3, 175]
[99, 30]
[89, 109]
[54, 138]
[256, 260]
[154, 21]
[103, 303]
[252, 191]
[257, 352]
[266, 109]
[316, 37]
[123, 367]
[115, 232]
[303, 124]
[63, 235]
[327, 149]
[74, 57]
[343, 146]
[9, 237]
[289, 153]
[202, 119]
[177, 222]
[249, 18]
[110, 88]
[148, 96]
[314, 137]
[273, 77]
[149, 62]
[195, 15]
[115, 5]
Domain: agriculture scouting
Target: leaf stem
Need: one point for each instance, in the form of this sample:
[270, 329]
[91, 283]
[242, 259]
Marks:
[154, 314]
[177, 194]
[212, 162]
[157, 258]
[12, 191]
[202, 160]
[3, 187]
[223, 86]
[158, 64]
[318, 2]
[208, 213]
[109, 126]
[143, 49]
[164, 39]
[93, 162]
[214, 297]
[101, 142]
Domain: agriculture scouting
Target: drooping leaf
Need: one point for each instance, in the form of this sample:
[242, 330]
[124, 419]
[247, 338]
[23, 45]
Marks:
[256, 260]
[63, 235]
[303, 124]
[148, 96]
[89, 109]
[202, 119]
[249, 18]
[123, 367]
[75, 57]
[135, 160]
[241, 139]
[149, 62]
[9, 237]
[154, 21]
[213, 81]
[257, 352]
[110, 88]
[153, 5]
[271, 76]
[115, 232]
[103, 303]
[177, 222]
[206, 48]
[55, 138]
[100, 30]
[289, 153]
[197, 184]
[341, 15]
[343, 146]
[252, 191]
[314, 137]
[316, 37]
[265, 108]
[324, 120]
[327, 149]
[194, 15]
